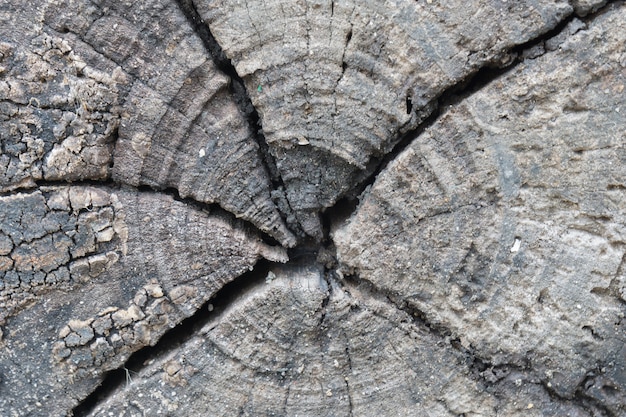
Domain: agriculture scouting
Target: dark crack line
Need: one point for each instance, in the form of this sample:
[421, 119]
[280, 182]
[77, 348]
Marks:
[116, 380]
[418, 316]
[325, 301]
[347, 378]
[481, 369]
[213, 209]
[114, 139]
[240, 93]
[38, 184]
[463, 89]
[286, 400]
[581, 399]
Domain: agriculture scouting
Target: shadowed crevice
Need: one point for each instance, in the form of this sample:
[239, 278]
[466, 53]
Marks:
[36, 185]
[419, 318]
[493, 377]
[116, 380]
[589, 403]
[115, 137]
[473, 83]
[213, 209]
[335, 216]
[239, 92]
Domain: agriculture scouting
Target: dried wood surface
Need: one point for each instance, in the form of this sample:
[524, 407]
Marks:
[312, 208]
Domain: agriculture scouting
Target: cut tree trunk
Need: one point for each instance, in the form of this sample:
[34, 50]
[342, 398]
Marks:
[313, 208]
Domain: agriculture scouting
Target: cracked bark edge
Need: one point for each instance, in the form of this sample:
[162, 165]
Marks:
[115, 380]
[212, 208]
[275, 254]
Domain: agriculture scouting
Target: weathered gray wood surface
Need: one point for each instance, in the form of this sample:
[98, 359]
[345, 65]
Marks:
[143, 176]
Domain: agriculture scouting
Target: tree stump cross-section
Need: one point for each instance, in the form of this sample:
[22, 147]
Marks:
[312, 208]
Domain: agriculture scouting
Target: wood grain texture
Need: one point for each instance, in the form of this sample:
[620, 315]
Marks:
[354, 354]
[337, 83]
[390, 236]
[298, 345]
[89, 81]
[91, 275]
[504, 222]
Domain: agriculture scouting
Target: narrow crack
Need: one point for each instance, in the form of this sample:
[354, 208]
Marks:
[208, 208]
[473, 83]
[37, 184]
[115, 380]
[326, 300]
[240, 93]
[481, 369]
[79, 183]
[114, 139]
[347, 379]
[286, 400]
[418, 316]
[213, 209]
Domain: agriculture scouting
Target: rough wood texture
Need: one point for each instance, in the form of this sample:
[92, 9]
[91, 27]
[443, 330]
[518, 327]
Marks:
[139, 76]
[504, 222]
[58, 114]
[354, 354]
[337, 83]
[161, 160]
[90, 275]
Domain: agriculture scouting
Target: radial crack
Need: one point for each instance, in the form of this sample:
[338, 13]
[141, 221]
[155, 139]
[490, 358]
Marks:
[239, 91]
[474, 82]
[118, 379]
